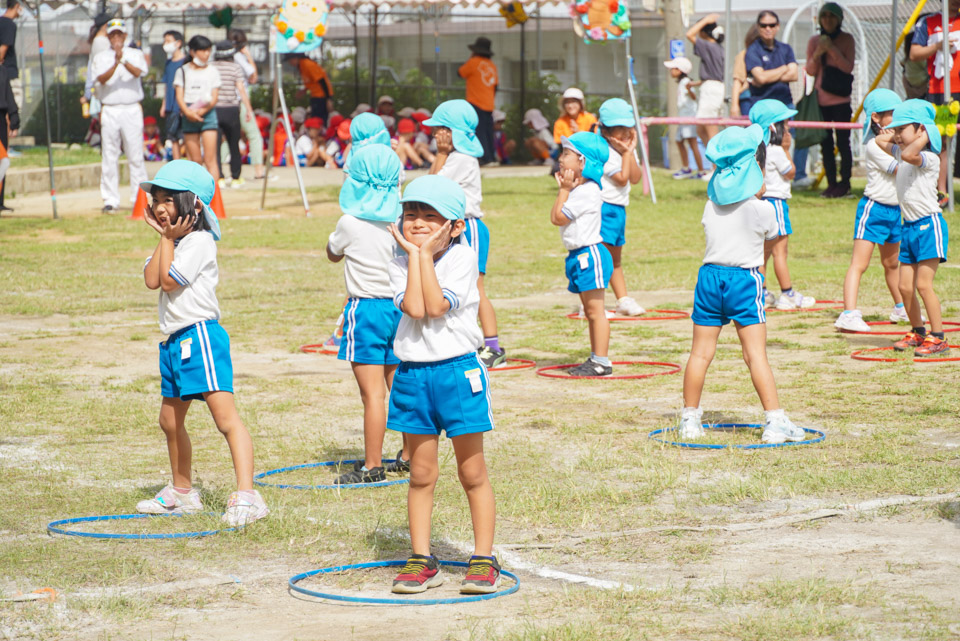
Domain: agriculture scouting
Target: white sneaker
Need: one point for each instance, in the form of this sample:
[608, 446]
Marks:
[626, 306]
[803, 183]
[169, 501]
[899, 315]
[780, 429]
[244, 508]
[795, 300]
[851, 322]
[769, 298]
[691, 424]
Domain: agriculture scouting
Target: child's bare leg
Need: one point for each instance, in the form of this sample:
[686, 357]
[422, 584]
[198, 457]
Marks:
[472, 470]
[424, 150]
[424, 470]
[701, 354]
[373, 392]
[486, 313]
[890, 258]
[753, 342]
[684, 157]
[780, 262]
[225, 415]
[388, 372]
[410, 153]
[173, 412]
[617, 280]
[695, 148]
[859, 261]
[596, 313]
[926, 270]
[908, 291]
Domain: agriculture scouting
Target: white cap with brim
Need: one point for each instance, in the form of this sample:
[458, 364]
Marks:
[573, 94]
[682, 64]
[116, 25]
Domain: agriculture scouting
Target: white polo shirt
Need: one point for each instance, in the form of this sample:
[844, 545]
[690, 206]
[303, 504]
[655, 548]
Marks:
[613, 193]
[455, 333]
[194, 267]
[917, 187]
[464, 170]
[123, 88]
[583, 209]
[735, 233]
[367, 247]
[881, 175]
[778, 164]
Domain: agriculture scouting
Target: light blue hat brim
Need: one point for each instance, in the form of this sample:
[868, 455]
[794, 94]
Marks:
[467, 143]
[461, 118]
[616, 112]
[768, 112]
[594, 150]
[737, 176]
[439, 192]
[170, 181]
[878, 101]
[916, 111]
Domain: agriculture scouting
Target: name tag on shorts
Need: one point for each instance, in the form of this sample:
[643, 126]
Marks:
[476, 383]
[924, 227]
[185, 348]
[584, 260]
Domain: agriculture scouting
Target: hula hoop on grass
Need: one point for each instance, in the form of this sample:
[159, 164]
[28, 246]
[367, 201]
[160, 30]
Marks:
[520, 363]
[723, 426]
[954, 327]
[818, 307]
[331, 486]
[666, 314]
[395, 601]
[55, 527]
[318, 348]
[859, 356]
[673, 368]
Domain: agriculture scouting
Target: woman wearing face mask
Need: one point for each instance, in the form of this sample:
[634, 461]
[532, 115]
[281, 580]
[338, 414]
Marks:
[197, 85]
[169, 109]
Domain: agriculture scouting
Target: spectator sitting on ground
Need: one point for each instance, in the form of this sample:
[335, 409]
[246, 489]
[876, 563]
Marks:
[390, 123]
[503, 146]
[406, 133]
[339, 146]
[423, 142]
[575, 117]
[310, 146]
[541, 144]
[385, 106]
[152, 146]
[362, 108]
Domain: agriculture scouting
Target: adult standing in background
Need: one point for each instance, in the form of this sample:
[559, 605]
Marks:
[316, 82]
[742, 99]
[482, 79]
[197, 84]
[8, 72]
[248, 123]
[169, 109]
[232, 94]
[117, 72]
[707, 38]
[830, 58]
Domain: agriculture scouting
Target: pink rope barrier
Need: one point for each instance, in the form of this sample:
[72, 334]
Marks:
[743, 122]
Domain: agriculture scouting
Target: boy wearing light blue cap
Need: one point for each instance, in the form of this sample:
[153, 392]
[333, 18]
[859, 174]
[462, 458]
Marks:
[441, 384]
[736, 223]
[622, 169]
[878, 214]
[772, 115]
[195, 359]
[454, 125]
[370, 201]
[577, 212]
[923, 245]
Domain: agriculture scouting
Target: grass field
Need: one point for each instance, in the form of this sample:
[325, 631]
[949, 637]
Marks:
[613, 535]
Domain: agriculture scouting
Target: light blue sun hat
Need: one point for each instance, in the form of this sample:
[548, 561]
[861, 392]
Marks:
[366, 129]
[186, 175]
[878, 101]
[768, 112]
[592, 148]
[736, 176]
[461, 118]
[371, 191]
[920, 112]
[617, 112]
[438, 192]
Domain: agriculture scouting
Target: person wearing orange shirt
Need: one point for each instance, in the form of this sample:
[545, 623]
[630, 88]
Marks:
[575, 117]
[481, 75]
[316, 82]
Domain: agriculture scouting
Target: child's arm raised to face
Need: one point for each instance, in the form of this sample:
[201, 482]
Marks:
[165, 258]
[151, 271]
[444, 138]
[912, 153]
[782, 160]
[567, 180]
[885, 142]
[410, 299]
[629, 167]
[435, 302]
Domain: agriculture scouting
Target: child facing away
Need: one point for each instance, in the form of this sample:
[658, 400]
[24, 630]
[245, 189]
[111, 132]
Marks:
[680, 69]
[152, 145]
[454, 125]
[618, 127]
[195, 359]
[441, 384]
[772, 116]
[370, 201]
[878, 215]
[366, 129]
[916, 144]
[729, 284]
[577, 212]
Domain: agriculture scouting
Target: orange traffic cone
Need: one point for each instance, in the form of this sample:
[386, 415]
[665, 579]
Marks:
[217, 203]
[139, 207]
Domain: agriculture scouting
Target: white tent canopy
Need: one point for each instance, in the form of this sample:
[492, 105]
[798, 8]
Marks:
[181, 5]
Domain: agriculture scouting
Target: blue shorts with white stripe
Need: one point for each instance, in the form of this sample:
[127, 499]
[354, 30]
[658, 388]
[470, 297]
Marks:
[588, 268]
[477, 236]
[725, 294]
[783, 215]
[876, 222]
[369, 327]
[924, 239]
[195, 360]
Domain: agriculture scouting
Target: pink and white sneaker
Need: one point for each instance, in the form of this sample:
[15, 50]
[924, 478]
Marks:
[170, 501]
[244, 507]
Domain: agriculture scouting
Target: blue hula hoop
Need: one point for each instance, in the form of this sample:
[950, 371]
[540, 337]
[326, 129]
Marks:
[332, 486]
[720, 426]
[55, 527]
[394, 601]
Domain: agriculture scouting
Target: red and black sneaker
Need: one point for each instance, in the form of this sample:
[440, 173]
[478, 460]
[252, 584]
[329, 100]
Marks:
[932, 346]
[912, 339]
[483, 576]
[420, 573]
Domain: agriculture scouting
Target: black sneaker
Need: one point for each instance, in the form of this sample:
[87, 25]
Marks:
[361, 476]
[591, 367]
[483, 576]
[492, 357]
[108, 209]
[399, 466]
[420, 572]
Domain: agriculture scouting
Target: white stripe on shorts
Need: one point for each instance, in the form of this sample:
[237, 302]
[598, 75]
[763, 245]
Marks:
[213, 363]
[597, 266]
[762, 315]
[938, 235]
[350, 337]
[207, 356]
[862, 227]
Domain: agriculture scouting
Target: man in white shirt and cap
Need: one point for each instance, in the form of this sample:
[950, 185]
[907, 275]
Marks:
[117, 72]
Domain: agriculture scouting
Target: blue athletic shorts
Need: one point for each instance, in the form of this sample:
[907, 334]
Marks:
[477, 235]
[725, 294]
[369, 327]
[877, 222]
[451, 396]
[613, 224]
[195, 360]
[924, 239]
[783, 216]
[588, 268]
